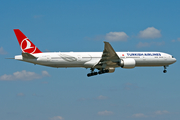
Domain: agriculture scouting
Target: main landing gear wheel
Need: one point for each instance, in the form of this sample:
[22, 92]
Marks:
[91, 74]
[95, 73]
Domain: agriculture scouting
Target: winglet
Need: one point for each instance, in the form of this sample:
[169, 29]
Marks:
[26, 45]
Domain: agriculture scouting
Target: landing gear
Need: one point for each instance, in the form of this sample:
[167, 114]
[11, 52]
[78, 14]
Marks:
[165, 71]
[95, 73]
[92, 74]
[103, 71]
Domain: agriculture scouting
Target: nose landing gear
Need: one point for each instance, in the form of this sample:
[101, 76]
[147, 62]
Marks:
[165, 71]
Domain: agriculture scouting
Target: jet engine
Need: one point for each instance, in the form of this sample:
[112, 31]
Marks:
[128, 63]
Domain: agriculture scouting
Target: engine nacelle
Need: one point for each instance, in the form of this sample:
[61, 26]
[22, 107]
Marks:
[111, 70]
[128, 63]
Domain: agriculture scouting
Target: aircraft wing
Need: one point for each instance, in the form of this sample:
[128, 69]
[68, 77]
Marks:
[109, 57]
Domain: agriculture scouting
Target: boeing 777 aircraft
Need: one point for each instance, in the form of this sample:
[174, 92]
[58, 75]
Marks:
[104, 62]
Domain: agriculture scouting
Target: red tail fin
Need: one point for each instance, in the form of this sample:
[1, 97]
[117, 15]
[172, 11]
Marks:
[26, 45]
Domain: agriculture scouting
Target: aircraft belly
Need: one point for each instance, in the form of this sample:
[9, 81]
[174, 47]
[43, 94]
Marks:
[61, 63]
[152, 62]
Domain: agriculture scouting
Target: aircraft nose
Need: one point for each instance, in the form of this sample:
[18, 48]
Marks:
[174, 60]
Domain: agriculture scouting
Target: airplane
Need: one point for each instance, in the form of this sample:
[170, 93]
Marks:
[104, 62]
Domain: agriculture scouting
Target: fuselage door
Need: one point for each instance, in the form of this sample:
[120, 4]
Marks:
[48, 57]
[165, 57]
[79, 57]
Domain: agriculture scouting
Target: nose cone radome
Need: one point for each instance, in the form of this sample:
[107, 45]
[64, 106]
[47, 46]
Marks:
[174, 60]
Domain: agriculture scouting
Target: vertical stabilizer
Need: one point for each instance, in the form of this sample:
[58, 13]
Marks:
[26, 45]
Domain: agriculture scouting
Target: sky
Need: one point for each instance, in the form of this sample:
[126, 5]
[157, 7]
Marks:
[34, 92]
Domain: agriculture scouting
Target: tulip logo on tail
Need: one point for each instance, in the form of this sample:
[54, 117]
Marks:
[27, 46]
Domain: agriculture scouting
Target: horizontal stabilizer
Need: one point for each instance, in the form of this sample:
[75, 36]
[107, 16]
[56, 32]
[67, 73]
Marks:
[28, 56]
[9, 58]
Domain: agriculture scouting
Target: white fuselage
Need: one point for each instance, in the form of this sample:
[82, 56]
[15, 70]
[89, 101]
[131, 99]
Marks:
[105, 61]
[90, 59]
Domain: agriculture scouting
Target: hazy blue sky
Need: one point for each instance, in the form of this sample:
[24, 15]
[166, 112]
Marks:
[42, 93]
